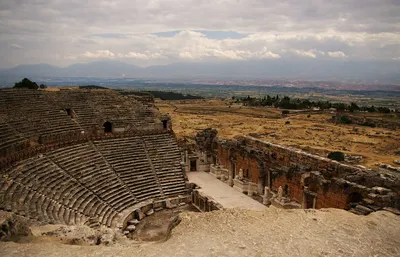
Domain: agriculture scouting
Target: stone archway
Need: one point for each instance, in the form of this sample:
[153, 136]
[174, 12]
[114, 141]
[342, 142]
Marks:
[165, 124]
[107, 127]
[353, 199]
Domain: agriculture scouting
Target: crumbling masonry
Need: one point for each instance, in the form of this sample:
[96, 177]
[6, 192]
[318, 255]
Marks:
[291, 178]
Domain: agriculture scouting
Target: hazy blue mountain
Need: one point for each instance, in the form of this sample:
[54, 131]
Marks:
[101, 69]
[34, 70]
[367, 71]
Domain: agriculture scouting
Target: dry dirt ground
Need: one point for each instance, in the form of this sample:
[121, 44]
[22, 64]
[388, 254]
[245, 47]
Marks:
[314, 134]
[273, 232]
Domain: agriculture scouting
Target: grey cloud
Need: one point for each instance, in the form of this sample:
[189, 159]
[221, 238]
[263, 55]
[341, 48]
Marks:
[61, 31]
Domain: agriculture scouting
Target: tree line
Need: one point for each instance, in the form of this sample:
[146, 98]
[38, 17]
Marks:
[163, 95]
[297, 104]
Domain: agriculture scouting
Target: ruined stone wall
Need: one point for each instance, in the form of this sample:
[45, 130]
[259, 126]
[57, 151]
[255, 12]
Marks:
[307, 179]
[247, 162]
[329, 196]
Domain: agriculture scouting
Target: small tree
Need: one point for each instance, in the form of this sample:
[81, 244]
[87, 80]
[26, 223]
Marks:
[26, 83]
[353, 107]
[345, 119]
[337, 156]
[43, 86]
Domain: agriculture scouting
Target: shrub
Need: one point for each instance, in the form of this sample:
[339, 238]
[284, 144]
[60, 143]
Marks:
[337, 156]
[369, 124]
[287, 123]
[345, 120]
[285, 112]
[309, 115]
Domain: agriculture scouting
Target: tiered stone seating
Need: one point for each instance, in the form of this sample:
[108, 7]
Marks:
[85, 115]
[165, 156]
[29, 113]
[39, 180]
[10, 139]
[28, 191]
[85, 164]
[128, 158]
[91, 183]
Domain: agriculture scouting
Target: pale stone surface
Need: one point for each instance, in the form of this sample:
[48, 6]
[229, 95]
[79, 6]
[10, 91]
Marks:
[280, 192]
[266, 197]
[225, 195]
[131, 228]
[273, 232]
[141, 215]
[133, 222]
[169, 204]
[150, 212]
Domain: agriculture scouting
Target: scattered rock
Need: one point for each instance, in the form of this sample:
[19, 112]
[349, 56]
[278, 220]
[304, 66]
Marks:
[131, 228]
[107, 237]
[14, 228]
[169, 204]
[158, 209]
[133, 222]
[77, 235]
[141, 215]
[381, 190]
[361, 210]
[150, 212]
[387, 166]
[392, 210]
[353, 158]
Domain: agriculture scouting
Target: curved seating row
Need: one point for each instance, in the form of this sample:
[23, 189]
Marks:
[93, 182]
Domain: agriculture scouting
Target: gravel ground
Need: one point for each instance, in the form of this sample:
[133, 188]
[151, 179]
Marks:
[235, 232]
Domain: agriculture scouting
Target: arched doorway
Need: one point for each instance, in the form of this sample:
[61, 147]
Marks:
[107, 127]
[69, 111]
[353, 199]
[165, 124]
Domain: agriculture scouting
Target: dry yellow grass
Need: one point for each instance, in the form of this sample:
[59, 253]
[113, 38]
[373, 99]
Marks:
[315, 134]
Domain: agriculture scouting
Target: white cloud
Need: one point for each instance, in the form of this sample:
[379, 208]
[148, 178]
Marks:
[337, 54]
[310, 53]
[99, 54]
[143, 56]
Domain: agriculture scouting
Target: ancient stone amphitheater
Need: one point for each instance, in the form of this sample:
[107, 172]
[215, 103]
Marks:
[85, 156]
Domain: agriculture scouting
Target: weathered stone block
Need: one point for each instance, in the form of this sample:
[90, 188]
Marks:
[150, 212]
[133, 222]
[131, 228]
[140, 215]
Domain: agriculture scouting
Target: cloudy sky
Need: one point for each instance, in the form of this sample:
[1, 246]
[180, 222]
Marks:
[149, 32]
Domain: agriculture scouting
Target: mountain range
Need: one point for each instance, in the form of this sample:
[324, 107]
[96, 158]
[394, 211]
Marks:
[377, 72]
